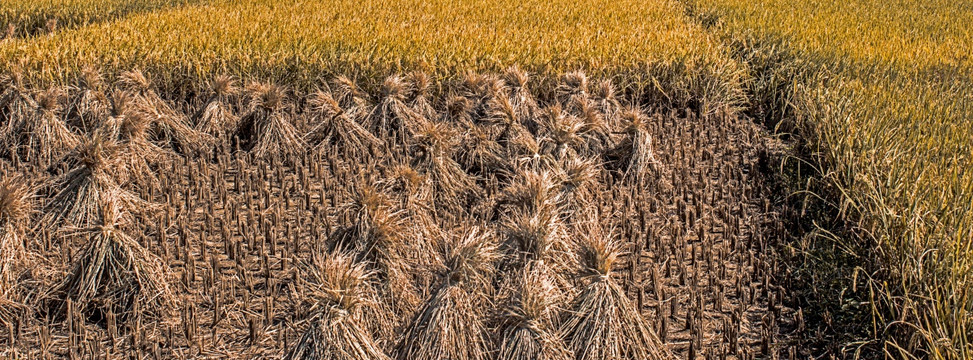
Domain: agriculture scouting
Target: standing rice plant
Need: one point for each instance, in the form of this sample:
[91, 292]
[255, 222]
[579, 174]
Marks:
[603, 323]
[450, 325]
[266, 129]
[114, 271]
[344, 305]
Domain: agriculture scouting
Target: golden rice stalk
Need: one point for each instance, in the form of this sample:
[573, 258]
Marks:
[344, 302]
[266, 129]
[450, 325]
[422, 91]
[636, 150]
[393, 119]
[530, 317]
[561, 133]
[114, 271]
[46, 137]
[573, 84]
[15, 209]
[92, 104]
[90, 184]
[169, 126]
[335, 127]
[433, 149]
[216, 117]
[604, 323]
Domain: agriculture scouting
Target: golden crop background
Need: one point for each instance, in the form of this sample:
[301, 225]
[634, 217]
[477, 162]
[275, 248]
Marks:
[889, 105]
[886, 99]
[20, 18]
[302, 42]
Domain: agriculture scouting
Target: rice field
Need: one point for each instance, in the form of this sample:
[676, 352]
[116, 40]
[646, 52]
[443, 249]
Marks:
[889, 107]
[484, 180]
[24, 18]
[302, 43]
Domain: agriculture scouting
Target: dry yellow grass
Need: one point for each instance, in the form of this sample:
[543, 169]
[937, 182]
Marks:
[889, 106]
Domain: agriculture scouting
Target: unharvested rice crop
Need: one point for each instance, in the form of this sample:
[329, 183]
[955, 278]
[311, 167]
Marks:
[883, 93]
[24, 18]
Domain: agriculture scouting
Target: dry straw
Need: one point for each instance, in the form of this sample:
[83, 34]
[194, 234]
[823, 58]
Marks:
[16, 207]
[451, 324]
[267, 128]
[530, 318]
[603, 323]
[113, 271]
[344, 307]
[89, 184]
[216, 116]
[334, 127]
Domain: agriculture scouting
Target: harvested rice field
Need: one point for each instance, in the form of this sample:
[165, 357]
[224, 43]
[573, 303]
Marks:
[420, 180]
